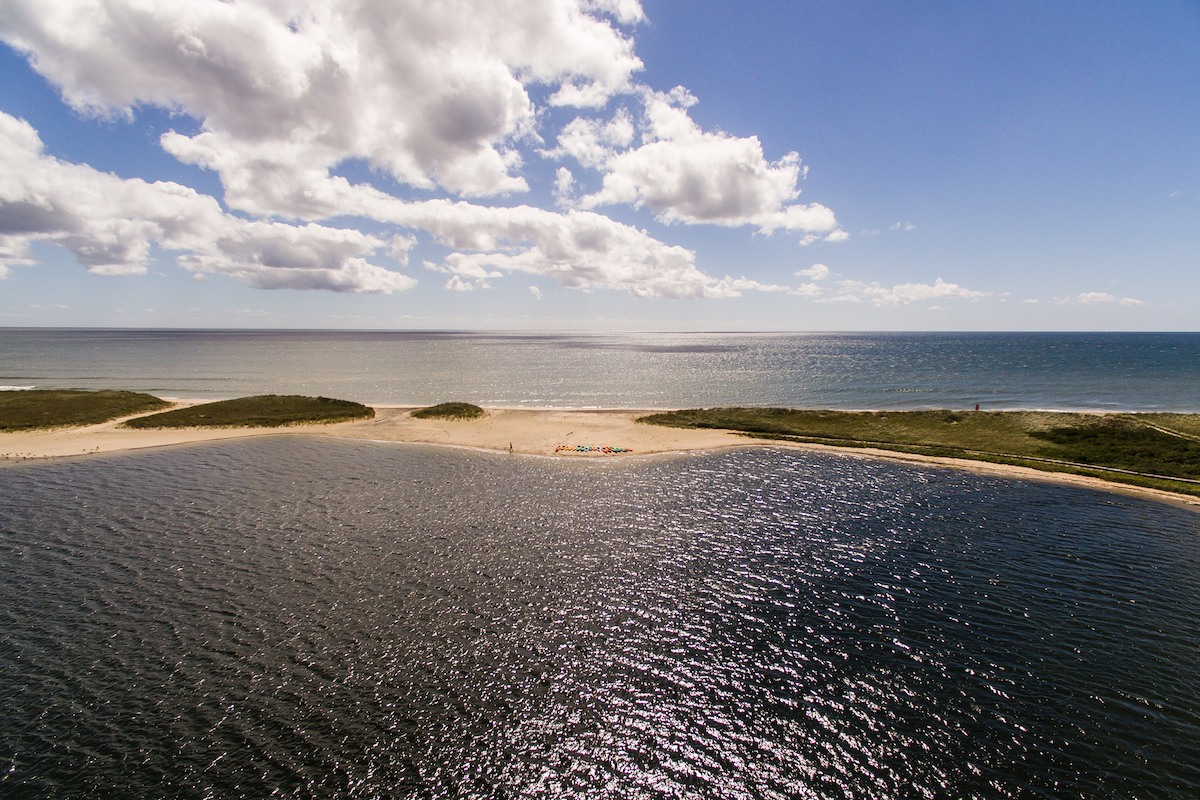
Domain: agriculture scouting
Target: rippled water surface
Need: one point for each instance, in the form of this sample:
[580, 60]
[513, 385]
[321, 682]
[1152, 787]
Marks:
[312, 618]
[1093, 371]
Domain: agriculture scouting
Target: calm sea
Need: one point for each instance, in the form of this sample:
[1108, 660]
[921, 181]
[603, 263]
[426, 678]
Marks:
[311, 618]
[1092, 371]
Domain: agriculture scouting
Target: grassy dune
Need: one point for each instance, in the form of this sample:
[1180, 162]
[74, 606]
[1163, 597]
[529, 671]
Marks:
[58, 408]
[1162, 449]
[450, 411]
[262, 411]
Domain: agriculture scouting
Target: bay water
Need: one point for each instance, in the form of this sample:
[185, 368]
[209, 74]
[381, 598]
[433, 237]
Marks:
[300, 617]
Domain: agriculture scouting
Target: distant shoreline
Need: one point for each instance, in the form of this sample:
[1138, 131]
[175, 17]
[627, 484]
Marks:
[527, 431]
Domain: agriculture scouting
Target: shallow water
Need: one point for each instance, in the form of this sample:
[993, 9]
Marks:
[317, 618]
[1091, 371]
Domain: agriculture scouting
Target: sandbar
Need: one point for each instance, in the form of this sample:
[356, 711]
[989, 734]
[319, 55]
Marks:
[526, 431]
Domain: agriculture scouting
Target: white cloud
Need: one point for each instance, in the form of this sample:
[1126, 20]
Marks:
[464, 271]
[685, 174]
[911, 292]
[896, 226]
[817, 272]
[879, 295]
[564, 186]
[627, 11]
[536, 292]
[809, 290]
[579, 249]
[733, 287]
[278, 256]
[1094, 298]
[109, 225]
[593, 143]
[440, 96]
[1089, 298]
[432, 93]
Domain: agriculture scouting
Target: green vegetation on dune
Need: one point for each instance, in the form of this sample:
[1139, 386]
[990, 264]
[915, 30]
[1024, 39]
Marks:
[58, 408]
[450, 411]
[1186, 425]
[1126, 444]
[262, 411]
[1157, 447]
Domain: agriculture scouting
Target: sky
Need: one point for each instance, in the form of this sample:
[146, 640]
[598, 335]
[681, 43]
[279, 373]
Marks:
[600, 164]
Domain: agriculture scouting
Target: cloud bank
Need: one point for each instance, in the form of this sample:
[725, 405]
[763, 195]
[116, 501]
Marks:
[109, 224]
[444, 98]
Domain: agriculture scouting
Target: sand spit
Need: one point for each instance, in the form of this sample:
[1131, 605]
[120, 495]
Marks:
[530, 431]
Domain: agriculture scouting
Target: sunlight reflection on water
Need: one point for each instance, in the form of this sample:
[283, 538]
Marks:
[344, 619]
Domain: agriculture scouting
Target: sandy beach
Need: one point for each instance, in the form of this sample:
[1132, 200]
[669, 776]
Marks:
[526, 431]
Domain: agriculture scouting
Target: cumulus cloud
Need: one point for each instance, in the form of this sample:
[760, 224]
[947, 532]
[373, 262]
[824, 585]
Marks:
[564, 186]
[109, 225]
[579, 249]
[685, 174]
[439, 96]
[432, 93]
[457, 284]
[810, 290]
[817, 272]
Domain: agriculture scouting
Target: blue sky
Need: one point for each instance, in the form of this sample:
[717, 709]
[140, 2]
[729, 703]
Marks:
[532, 164]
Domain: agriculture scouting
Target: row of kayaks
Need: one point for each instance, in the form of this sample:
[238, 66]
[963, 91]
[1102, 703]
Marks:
[584, 448]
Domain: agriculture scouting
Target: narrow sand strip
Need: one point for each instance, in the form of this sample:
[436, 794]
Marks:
[532, 431]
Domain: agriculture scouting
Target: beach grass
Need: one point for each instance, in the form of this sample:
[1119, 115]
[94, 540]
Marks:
[450, 411]
[35, 409]
[260, 411]
[1158, 450]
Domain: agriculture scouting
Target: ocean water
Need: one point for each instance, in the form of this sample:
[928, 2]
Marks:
[1064, 371]
[297, 617]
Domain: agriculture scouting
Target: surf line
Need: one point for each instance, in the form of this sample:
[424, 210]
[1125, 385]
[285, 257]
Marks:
[585, 448]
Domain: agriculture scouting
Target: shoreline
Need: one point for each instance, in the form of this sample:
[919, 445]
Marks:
[527, 431]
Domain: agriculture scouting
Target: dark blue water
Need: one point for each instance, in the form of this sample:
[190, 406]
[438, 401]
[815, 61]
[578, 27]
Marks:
[1064, 371]
[301, 617]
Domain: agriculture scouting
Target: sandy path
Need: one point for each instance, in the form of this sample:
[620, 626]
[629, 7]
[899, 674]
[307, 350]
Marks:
[533, 431]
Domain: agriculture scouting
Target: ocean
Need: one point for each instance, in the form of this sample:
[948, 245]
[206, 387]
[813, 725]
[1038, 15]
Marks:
[1061, 371]
[314, 618]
